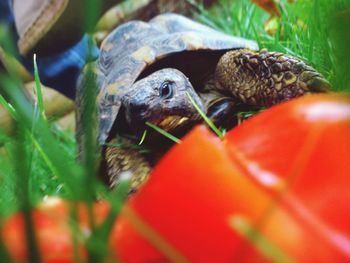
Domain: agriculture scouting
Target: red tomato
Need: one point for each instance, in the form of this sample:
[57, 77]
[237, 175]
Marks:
[284, 173]
[52, 229]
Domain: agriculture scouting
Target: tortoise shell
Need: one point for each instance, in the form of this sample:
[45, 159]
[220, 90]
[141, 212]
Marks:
[136, 49]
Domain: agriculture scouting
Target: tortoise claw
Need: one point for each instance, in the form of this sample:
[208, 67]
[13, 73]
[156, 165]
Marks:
[318, 84]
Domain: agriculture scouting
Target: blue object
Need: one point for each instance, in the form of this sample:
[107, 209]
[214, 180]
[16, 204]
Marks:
[59, 71]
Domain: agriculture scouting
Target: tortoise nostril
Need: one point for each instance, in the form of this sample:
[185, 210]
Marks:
[137, 108]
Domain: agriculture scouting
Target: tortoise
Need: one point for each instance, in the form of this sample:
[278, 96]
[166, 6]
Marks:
[146, 71]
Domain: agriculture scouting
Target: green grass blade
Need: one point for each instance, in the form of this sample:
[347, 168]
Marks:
[42, 153]
[143, 137]
[23, 193]
[116, 198]
[166, 248]
[205, 117]
[91, 151]
[90, 124]
[75, 231]
[250, 232]
[8, 107]
[38, 88]
[164, 133]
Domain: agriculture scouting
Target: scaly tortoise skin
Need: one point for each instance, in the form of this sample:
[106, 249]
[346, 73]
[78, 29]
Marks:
[146, 71]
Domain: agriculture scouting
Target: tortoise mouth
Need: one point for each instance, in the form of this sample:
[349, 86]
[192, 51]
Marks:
[169, 123]
[177, 126]
[167, 117]
[172, 122]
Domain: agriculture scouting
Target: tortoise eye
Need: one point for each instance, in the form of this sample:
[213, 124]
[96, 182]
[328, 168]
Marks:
[166, 90]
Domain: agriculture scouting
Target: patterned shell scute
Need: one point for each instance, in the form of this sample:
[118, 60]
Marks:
[133, 46]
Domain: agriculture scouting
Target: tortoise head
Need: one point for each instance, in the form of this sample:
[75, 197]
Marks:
[162, 99]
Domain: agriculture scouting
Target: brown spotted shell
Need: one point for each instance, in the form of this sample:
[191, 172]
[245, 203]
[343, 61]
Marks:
[136, 49]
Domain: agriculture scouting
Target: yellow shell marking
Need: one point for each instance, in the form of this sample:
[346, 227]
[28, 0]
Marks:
[145, 54]
[107, 46]
[126, 36]
[112, 89]
[193, 41]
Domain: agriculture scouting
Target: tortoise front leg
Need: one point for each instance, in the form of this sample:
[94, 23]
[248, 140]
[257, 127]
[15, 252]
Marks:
[122, 158]
[266, 78]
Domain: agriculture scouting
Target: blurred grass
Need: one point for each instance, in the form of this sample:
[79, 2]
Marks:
[37, 155]
[40, 159]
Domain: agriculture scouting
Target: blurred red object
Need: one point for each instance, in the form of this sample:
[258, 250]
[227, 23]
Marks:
[51, 222]
[268, 5]
[275, 188]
